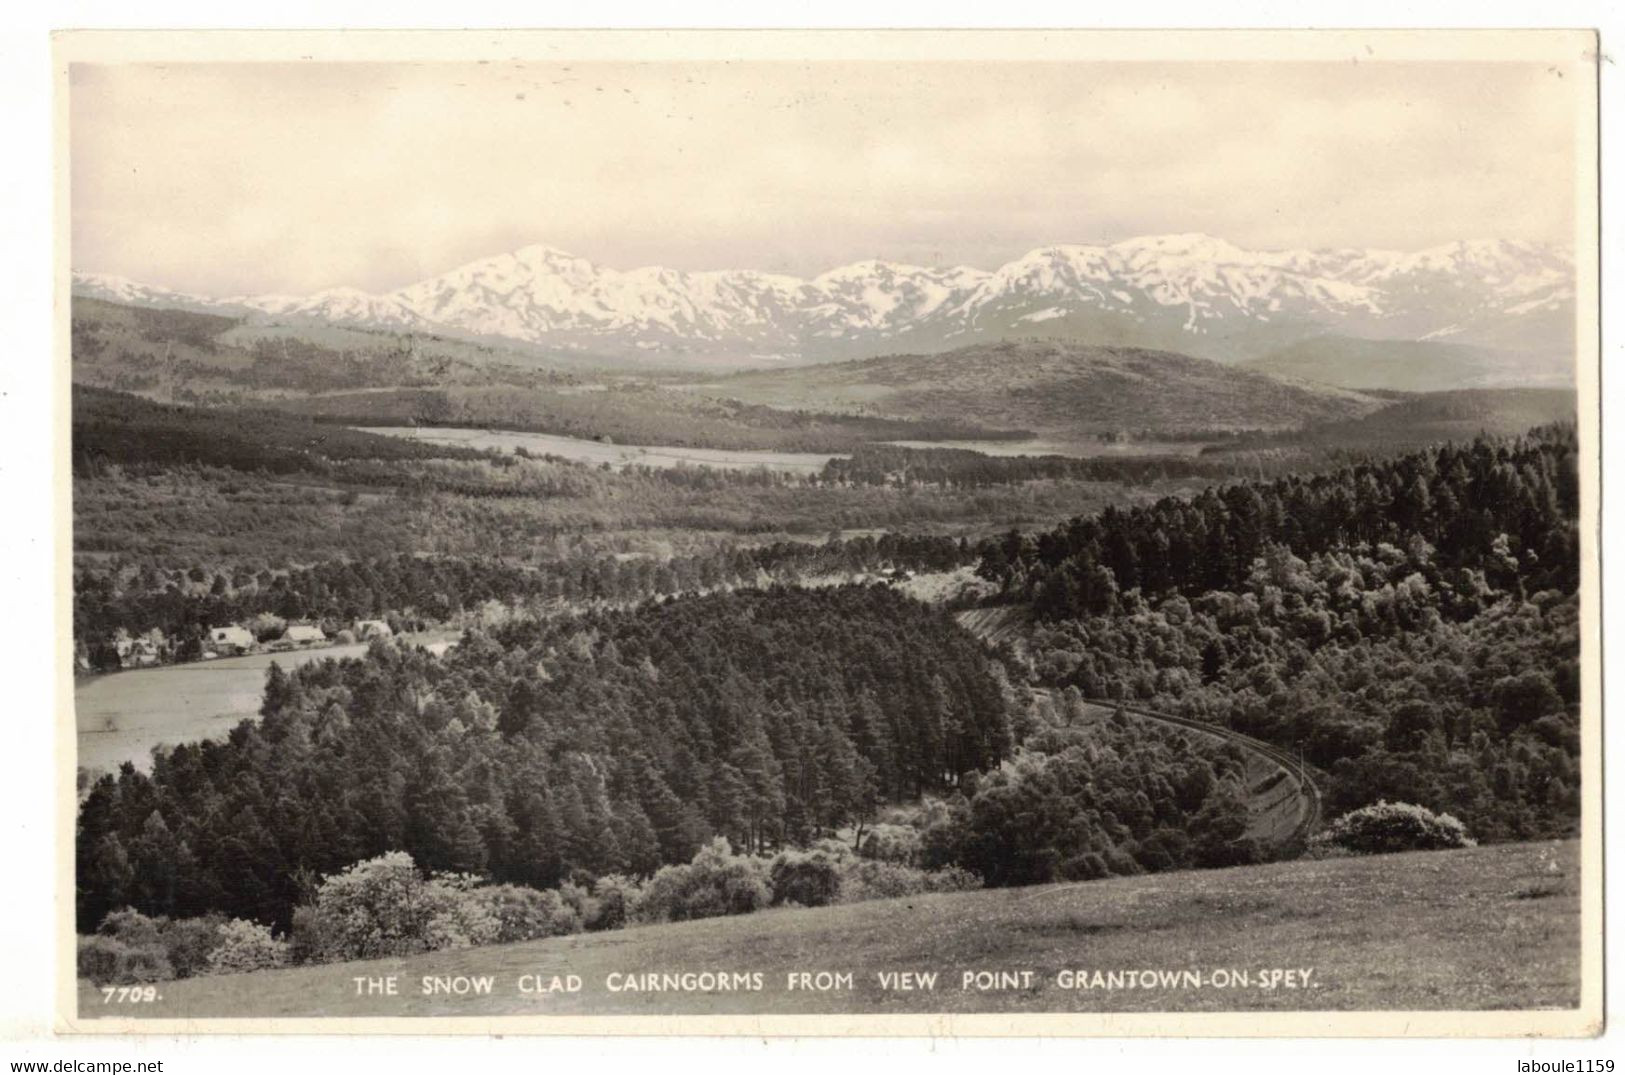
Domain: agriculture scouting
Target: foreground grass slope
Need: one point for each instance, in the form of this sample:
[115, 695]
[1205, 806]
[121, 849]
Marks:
[1486, 928]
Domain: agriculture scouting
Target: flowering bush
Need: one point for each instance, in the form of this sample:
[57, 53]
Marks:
[247, 946]
[380, 907]
[1388, 826]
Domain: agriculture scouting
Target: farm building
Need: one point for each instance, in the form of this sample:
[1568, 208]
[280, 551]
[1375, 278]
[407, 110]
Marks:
[304, 634]
[365, 629]
[226, 639]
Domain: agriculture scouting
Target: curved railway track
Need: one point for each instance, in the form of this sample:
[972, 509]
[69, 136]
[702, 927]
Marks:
[1006, 624]
[1310, 818]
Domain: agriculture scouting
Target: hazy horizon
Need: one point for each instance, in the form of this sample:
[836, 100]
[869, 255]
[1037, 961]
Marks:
[225, 179]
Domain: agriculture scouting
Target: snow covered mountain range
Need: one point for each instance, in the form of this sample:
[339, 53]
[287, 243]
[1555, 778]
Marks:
[1190, 293]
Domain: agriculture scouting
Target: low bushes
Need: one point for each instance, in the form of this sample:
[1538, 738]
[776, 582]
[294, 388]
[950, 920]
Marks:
[109, 961]
[130, 948]
[386, 906]
[1386, 826]
[868, 879]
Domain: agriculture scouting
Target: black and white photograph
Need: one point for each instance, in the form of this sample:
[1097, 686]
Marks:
[1005, 532]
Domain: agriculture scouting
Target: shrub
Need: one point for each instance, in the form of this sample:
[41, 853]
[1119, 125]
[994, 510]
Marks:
[133, 928]
[247, 946]
[1089, 866]
[716, 882]
[524, 914]
[614, 895]
[385, 907]
[188, 943]
[810, 879]
[309, 940]
[893, 843]
[1388, 826]
[577, 896]
[172, 948]
[109, 961]
[460, 918]
[380, 907]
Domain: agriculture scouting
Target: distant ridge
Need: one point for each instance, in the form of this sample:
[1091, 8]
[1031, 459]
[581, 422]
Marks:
[1054, 386]
[1191, 293]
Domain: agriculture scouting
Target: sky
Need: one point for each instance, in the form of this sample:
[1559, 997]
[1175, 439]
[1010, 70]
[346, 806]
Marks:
[225, 179]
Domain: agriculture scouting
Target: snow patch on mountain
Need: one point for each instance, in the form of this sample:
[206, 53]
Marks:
[1166, 287]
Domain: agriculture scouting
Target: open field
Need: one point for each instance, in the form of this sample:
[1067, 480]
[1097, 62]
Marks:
[582, 450]
[1074, 448]
[1484, 928]
[122, 716]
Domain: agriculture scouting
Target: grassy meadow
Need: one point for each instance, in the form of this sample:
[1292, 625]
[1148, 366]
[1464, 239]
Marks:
[1479, 929]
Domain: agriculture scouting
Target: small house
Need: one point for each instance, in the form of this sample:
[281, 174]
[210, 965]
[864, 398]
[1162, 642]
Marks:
[304, 634]
[367, 629]
[135, 652]
[232, 639]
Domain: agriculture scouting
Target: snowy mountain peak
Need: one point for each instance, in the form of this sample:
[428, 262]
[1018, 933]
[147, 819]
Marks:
[1190, 291]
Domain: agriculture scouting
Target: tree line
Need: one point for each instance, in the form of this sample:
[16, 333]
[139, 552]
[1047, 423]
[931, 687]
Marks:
[412, 592]
[1507, 507]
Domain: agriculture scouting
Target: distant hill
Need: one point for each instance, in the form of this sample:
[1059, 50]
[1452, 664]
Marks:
[1053, 388]
[181, 355]
[1430, 418]
[1412, 365]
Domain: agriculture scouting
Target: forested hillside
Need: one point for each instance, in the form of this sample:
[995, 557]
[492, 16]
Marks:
[1411, 625]
[607, 743]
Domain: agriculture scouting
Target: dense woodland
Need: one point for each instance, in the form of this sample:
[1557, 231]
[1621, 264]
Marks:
[1079, 803]
[606, 743]
[610, 744]
[1411, 625]
[1506, 509]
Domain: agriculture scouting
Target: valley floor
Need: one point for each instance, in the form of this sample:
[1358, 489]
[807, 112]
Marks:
[1481, 929]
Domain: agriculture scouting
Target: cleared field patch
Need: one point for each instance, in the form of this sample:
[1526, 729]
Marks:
[121, 717]
[600, 452]
[1485, 928]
